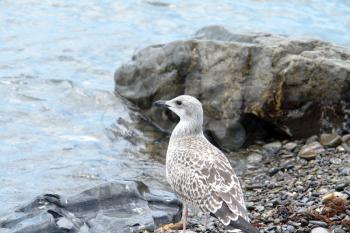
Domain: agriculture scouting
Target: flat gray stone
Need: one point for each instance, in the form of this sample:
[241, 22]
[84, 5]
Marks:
[310, 151]
[319, 230]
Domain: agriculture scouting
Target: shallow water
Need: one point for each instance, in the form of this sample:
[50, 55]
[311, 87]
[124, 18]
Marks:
[57, 59]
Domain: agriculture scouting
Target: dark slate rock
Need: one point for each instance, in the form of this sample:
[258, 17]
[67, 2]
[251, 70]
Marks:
[126, 206]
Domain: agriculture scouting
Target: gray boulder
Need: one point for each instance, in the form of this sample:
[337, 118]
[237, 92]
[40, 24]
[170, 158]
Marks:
[248, 84]
[123, 207]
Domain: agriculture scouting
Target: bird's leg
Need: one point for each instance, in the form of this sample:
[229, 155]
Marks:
[184, 217]
[206, 216]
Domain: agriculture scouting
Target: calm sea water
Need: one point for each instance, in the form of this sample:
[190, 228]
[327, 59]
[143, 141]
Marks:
[57, 60]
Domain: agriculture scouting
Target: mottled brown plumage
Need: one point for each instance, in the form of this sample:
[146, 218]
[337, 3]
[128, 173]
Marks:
[198, 172]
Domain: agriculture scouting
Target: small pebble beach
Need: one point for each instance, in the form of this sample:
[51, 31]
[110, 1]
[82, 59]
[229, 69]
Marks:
[289, 192]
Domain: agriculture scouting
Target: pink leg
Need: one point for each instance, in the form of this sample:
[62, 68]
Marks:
[206, 215]
[184, 217]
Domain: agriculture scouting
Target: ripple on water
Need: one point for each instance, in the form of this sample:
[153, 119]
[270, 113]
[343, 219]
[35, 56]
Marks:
[54, 139]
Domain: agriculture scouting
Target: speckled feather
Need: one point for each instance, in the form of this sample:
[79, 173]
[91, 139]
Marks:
[201, 175]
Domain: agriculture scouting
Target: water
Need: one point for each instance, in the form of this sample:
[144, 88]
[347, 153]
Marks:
[57, 59]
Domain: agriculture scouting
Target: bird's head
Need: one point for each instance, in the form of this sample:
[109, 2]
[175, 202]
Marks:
[186, 107]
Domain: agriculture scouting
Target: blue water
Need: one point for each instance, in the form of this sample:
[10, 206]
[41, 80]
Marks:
[57, 60]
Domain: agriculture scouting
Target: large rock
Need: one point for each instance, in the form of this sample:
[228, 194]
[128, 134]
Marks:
[119, 207]
[293, 87]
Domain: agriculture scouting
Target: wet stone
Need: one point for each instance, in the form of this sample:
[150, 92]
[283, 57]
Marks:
[120, 207]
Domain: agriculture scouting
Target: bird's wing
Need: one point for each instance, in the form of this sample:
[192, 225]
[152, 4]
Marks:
[226, 197]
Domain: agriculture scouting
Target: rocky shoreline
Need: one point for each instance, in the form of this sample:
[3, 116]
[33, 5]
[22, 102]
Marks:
[290, 187]
[296, 187]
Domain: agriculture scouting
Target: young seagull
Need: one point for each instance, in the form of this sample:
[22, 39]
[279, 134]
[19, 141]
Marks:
[199, 173]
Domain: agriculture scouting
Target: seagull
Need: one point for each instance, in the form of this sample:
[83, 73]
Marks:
[199, 173]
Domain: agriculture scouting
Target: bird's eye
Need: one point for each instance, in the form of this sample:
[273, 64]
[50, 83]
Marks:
[178, 102]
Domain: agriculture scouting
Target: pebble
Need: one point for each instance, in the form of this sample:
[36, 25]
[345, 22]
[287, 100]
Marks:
[340, 187]
[310, 151]
[287, 164]
[335, 160]
[344, 171]
[319, 230]
[273, 171]
[290, 146]
[330, 140]
[304, 222]
[259, 208]
[273, 147]
[319, 223]
[250, 205]
[300, 188]
[277, 221]
[338, 230]
[287, 156]
[340, 149]
[290, 228]
[254, 158]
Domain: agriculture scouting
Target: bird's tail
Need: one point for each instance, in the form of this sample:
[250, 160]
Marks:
[241, 225]
[224, 213]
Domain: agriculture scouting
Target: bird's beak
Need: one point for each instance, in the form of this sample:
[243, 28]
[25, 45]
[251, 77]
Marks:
[160, 104]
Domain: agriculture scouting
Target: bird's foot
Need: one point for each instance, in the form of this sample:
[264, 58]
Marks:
[173, 228]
